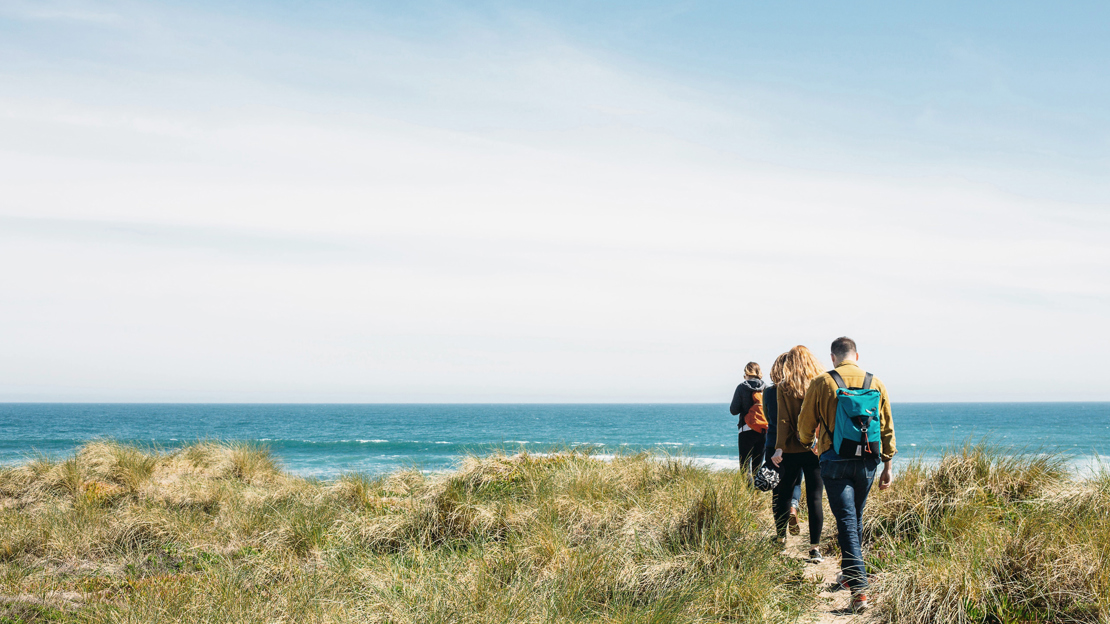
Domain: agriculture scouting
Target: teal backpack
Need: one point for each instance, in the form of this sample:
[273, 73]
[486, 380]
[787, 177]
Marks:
[856, 433]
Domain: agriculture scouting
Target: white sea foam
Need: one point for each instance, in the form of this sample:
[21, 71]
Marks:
[1087, 467]
[712, 463]
[715, 463]
[601, 456]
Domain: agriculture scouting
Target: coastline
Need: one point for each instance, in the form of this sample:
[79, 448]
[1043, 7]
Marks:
[326, 441]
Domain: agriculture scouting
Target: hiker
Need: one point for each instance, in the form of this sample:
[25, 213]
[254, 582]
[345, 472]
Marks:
[852, 409]
[747, 402]
[792, 456]
[770, 411]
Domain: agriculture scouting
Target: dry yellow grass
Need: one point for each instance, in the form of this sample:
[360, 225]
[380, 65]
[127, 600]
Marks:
[218, 533]
[986, 536]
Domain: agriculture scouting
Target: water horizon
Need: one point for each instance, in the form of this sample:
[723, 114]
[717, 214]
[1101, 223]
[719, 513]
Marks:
[329, 439]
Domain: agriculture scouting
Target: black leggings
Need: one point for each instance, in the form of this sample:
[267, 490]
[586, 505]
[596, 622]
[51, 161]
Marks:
[751, 449]
[794, 464]
[775, 492]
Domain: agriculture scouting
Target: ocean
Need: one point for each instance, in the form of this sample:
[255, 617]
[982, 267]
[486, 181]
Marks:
[327, 440]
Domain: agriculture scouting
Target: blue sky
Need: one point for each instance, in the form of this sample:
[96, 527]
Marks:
[569, 201]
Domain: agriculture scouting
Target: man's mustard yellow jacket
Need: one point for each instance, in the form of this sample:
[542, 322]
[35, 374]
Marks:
[819, 408]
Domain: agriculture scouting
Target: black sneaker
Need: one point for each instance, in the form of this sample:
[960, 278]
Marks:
[815, 556]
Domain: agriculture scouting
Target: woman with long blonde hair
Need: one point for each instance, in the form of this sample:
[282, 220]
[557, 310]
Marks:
[799, 367]
[770, 409]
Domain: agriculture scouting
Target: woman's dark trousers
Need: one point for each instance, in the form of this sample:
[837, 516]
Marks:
[793, 465]
[795, 496]
[751, 449]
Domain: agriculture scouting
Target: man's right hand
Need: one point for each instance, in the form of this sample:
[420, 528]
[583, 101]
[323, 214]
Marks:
[776, 459]
[887, 477]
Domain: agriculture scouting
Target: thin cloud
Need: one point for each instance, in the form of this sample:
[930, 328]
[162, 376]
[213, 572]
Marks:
[58, 11]
[333, 212]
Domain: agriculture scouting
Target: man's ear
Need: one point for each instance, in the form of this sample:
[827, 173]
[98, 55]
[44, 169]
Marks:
[857, 356]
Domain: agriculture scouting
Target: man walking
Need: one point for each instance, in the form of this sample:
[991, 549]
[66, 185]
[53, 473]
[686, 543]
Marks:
[852, 409]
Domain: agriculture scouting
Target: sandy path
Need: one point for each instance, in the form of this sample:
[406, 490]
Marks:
[832, 606]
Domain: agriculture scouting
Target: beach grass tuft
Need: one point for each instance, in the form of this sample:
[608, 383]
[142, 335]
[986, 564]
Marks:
[219, 533]
[991, 536]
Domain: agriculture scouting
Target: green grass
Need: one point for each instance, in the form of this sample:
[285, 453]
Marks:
[986, 536]
[217, 533]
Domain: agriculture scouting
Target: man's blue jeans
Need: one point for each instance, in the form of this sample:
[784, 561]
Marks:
[847, 483]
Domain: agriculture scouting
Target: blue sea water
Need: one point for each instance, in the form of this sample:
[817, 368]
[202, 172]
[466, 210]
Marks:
[328, 439]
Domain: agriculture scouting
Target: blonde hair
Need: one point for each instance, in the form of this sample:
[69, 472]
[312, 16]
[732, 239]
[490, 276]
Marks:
[799, 367]
[776, 369]
[752, 370]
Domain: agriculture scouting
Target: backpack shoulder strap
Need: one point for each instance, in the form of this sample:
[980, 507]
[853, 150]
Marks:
[867, 381]
[838, 379]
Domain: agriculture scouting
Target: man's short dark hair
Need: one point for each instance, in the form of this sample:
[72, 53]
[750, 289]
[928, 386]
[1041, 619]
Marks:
[842, 347]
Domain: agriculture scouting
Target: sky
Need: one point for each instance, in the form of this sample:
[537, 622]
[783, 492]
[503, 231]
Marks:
[550, 202]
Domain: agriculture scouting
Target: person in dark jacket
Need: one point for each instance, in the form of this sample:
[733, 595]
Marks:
[747, 403]
[771, 411]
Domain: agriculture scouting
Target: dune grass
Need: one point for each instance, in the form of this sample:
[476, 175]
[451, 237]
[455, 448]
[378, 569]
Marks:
[218, 533]
[989, 536]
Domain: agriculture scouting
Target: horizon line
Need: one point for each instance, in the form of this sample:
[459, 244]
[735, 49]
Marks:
[953, 402]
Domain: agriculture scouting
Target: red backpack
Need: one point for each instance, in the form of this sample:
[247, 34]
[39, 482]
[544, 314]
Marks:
[755, 418]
